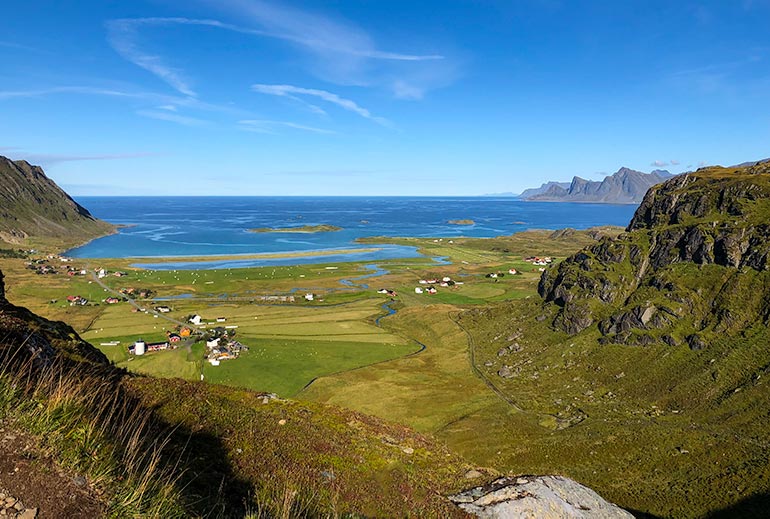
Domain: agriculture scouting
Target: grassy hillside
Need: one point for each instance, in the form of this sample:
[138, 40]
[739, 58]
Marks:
[643, 374]
[35, 211]
[171, 448]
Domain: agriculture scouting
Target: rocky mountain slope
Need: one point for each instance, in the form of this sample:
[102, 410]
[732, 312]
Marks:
[529, 193]
[643, 370]
[626, 186]
[693, 263]
[33, 206]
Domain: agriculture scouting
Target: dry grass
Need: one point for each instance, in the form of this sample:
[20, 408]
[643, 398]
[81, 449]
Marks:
[85, 420]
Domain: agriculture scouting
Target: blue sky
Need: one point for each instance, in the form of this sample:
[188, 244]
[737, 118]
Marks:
[375, 97]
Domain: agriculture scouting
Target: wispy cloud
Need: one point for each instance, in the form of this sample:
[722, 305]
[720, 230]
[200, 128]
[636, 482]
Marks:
[659, 164]
[292, 92]
[122, 35]
[172, 117]
[49, 159]
[40, 92]
[267, 126]
[15, 45]
[342, 52]
[160, 101]
[675, 162]
[313, 31]
[329, 173]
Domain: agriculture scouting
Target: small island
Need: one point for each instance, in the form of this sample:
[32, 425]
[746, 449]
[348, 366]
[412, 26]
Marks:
[462, 222]
[303, 229]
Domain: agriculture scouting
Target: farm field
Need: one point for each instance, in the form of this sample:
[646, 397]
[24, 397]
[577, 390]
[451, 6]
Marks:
[290, 343]
[432, 361]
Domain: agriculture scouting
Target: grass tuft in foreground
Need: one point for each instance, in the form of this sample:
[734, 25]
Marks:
[88, 425]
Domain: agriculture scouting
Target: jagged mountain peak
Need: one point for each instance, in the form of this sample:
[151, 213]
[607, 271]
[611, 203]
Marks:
[626, 186]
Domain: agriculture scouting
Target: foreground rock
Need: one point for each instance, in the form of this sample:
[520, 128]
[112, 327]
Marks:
[13, 508]
[536, 496]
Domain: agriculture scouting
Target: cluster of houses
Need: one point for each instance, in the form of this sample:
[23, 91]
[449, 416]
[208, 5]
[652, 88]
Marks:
[141, 348]
[42, 267]
[223, 347]
[102, 273]
[431, 289]
[536, 260]
[495, 275]
[137, 293]
[172, 341]
[77, 301]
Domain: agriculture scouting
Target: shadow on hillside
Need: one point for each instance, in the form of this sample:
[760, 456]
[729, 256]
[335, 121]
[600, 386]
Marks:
[196, 463]
[641, 515]
[206, 479]
[755, 506]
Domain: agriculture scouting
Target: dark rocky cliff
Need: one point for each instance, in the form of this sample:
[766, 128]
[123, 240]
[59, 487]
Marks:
[33, 206]
[694, 261]
[26, 335]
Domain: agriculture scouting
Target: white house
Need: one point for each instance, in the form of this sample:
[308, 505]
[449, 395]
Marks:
[101, 273]
[418, 290]
[195, 319]
[309, 297]
[213, 343]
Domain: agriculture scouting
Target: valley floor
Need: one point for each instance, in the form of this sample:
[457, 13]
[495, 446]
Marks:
[434, 363]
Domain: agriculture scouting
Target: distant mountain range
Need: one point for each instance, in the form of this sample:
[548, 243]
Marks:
[626, 186]
[33, 207]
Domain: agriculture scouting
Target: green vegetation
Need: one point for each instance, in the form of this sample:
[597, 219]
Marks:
[285, 366]
[93, 430]
[36, 212]
[642, 374]
[302, 229]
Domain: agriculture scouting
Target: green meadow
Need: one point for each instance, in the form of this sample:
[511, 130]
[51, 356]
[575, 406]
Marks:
[434, 364]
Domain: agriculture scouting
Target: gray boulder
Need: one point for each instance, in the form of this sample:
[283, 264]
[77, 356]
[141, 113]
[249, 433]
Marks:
[536, 496]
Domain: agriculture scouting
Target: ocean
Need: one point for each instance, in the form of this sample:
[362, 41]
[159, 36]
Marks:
[215, 226]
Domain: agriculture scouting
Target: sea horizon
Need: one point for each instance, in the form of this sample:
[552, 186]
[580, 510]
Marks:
[209, 226]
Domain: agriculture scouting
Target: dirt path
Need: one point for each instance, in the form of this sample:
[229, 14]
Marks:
[39, 484]
[472, 354]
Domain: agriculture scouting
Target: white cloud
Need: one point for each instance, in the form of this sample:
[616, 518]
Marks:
[48, 159]
[291, 92]
[342, 52]
[122, 35]
[675, 162]
[172, 117]
[659, 164]
[314, 31]
[267, 126]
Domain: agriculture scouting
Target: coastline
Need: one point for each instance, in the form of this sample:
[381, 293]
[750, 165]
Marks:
[255, 255]
[305, 229]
